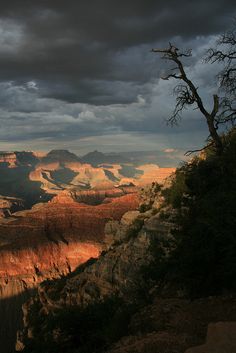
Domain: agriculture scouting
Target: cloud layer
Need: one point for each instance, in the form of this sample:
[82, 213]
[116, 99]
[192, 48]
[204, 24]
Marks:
[77, 69]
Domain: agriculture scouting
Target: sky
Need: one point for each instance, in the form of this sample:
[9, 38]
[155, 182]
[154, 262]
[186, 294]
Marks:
[81, 75]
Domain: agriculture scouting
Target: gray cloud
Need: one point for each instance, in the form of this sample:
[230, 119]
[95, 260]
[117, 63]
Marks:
[75, 45]
[77, 69]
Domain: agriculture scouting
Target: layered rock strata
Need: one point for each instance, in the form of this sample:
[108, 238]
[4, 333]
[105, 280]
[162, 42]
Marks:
[118, 271]
[163, 325]
[50, 241]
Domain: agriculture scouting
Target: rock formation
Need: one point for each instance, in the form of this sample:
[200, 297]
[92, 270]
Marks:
[71, 202]
[49, 241]
[163, 325]
[116, 272]
[36, 177]
[58, 235]
[10, 205]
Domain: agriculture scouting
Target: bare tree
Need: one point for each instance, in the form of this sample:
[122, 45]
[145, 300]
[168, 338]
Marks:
[225, 53]
[187, 93]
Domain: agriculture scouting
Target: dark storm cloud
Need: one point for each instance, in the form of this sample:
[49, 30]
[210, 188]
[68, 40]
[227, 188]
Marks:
[83, 71]
[73, 47]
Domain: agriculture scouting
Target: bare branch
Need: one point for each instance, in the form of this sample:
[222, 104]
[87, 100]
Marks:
[225, 52]
[171, 76]
[188, 153]
[187, 94]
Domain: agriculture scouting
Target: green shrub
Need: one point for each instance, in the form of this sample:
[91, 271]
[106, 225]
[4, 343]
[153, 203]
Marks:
[176, 193]
[134, 228]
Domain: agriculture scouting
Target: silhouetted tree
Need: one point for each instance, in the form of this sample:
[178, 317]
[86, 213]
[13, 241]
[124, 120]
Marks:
[187, 93]
[225, 53]
[223, 109]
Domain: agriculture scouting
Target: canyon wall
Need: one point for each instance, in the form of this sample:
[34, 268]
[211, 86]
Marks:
[52, 217]
[49, 241]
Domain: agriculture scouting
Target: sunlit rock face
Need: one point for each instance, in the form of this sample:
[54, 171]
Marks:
[72, 200]
[52, 217]
[117, 272]
[51, 240]
[54, 238]
[57, 236]
[69, 228]
[36, 176]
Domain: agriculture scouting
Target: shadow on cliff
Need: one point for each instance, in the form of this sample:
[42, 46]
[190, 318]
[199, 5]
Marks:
[15, 182]
[11, 319]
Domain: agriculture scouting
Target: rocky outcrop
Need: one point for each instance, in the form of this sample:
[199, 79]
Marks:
[10, 205]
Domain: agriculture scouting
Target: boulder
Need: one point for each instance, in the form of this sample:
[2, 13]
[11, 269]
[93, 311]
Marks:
[129, 217]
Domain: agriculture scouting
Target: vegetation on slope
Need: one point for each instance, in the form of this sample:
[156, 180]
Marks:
[203, 257]
[197, 260]
[81, 330]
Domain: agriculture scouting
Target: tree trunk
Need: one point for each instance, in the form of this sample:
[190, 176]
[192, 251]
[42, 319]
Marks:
[214, 135]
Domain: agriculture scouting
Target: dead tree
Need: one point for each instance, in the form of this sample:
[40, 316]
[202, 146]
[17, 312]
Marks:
[187, 93]
[225, 53]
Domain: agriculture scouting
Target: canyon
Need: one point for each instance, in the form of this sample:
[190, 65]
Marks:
[47, 242]
[74, 313]
[53, 212]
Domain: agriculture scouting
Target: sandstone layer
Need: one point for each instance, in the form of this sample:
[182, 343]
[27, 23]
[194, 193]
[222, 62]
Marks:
[49, 241]
[57, 235]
